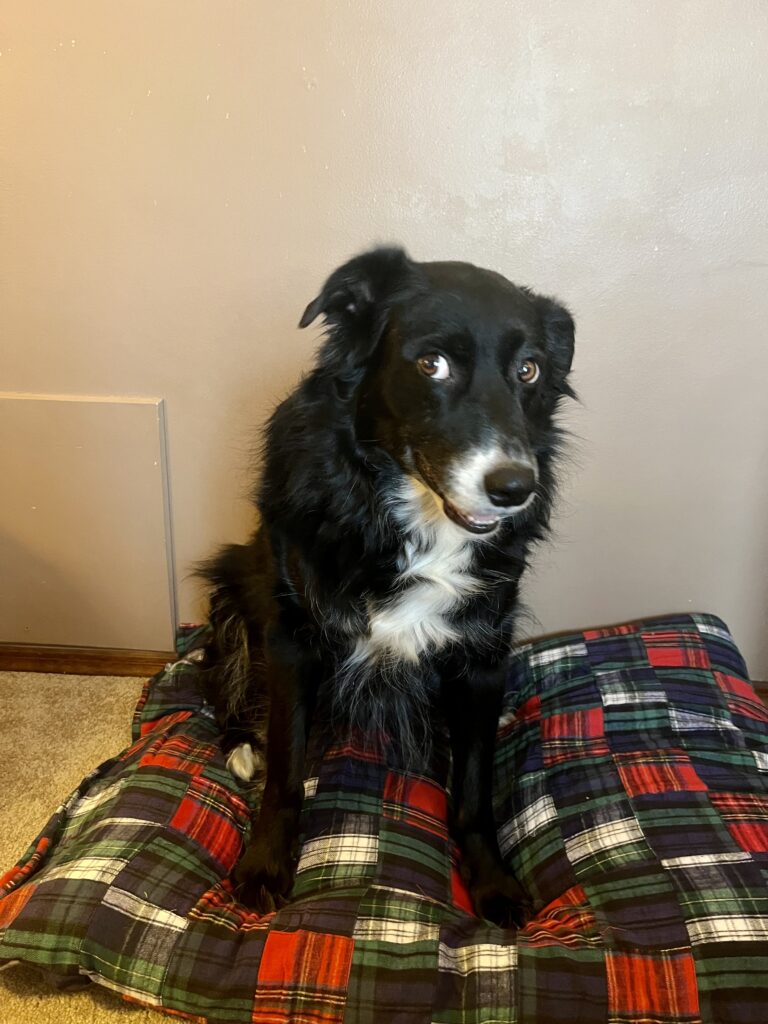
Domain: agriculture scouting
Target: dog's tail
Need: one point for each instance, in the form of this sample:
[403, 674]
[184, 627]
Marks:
[234, 655]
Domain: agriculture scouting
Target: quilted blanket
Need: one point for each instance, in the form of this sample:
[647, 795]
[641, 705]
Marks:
[630, 794]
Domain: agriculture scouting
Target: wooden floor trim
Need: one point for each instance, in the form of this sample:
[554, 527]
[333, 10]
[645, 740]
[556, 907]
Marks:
[82, 661]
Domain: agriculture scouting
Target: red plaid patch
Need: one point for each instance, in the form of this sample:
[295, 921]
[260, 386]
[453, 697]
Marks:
[203, 816]
[525, 715]
[303, 978]
[358, 749]
[738, 687]
[180, 754]
[16, 875]
[574, 725]
[660, 985]
[165, 723]
[751, 836]
[669, 772]
[12, 904]
[418, 802]
[219, 905]
[529, 712]
[572, 734]
[746, 818]
[741, 805]
[664, 650]
[745, 701]
[600, 634]
[565, 921]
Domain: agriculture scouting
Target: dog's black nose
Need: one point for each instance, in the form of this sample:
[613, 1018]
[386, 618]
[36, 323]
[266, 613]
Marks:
[510, 485]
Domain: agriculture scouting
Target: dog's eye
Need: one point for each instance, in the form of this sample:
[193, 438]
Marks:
[528, 371]
[434, 366]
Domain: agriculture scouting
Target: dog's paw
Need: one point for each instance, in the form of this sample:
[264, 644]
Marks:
[263, 878]
[498, 896]
[243, 762]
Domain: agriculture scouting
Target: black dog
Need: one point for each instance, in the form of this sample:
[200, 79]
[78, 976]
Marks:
[404, 481]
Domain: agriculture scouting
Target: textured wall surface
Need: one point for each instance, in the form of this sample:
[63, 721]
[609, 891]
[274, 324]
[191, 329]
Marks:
[179, 177]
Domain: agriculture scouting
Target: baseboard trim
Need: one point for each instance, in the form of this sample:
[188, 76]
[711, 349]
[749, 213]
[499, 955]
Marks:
[82, 661]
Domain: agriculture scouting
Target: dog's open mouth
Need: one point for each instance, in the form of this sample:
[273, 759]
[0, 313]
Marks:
[472, 523]
[475, 524]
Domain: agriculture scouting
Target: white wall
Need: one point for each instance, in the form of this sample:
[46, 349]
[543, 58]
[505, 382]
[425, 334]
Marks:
[179, 177]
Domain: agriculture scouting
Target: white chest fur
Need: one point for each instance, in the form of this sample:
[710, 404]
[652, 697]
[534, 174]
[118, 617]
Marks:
[434, 580]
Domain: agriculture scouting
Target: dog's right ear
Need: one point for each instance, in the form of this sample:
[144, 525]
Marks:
[359, 293]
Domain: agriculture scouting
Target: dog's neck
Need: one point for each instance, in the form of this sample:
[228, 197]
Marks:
[433, 580]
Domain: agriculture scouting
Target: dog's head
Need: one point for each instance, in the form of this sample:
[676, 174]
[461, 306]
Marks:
[455, 373]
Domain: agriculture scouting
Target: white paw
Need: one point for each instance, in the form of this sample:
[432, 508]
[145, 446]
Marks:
[243, 762]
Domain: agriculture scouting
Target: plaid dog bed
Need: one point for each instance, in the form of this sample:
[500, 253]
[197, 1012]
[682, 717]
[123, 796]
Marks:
[631, 800]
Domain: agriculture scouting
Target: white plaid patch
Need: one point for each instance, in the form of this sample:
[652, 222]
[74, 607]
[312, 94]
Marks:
[141, 910]
[507, 717]
[310, 788]
[730, 928]
[190, 659]
[127, 828]
[481, 957]
[761, 760]
[142, 995]
[341, 849]
[697, 859]
[614, 691]
[693, 721]
[86, 869]
[602, 837]
[618, 697]
[705, 627]
[558, 653]
[374, 929]
[89, 803]
[527, 822]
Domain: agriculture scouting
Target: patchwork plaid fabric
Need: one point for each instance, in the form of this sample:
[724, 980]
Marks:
[631, 798]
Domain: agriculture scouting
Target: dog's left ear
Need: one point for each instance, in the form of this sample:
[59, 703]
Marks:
[560, 334]
[358, 295]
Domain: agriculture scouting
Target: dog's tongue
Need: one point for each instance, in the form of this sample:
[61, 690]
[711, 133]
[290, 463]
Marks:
[484, 518]
[473, 523]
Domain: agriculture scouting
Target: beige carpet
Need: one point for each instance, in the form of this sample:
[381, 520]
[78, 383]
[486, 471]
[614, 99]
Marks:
[55, 729]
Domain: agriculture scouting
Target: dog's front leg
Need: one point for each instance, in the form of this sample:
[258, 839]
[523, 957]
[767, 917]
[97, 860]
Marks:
[473, 703]
[264, 875]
